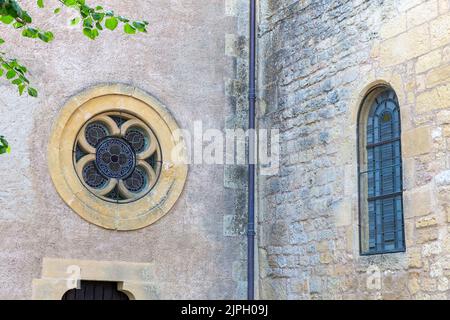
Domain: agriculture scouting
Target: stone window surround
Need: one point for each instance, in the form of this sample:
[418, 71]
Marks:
[73, 116]
[392, 260]
[365, 107]
[134, 279]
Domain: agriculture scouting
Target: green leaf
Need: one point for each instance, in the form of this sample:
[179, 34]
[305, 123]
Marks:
[7, 19]
[2, 41]
[21, 69]
[26, 17]
[4, 145]
[111, 23]
[3, 141]
[57, 10]
[21, 89]
[87, 23]
[75, 21]
[90, 33]
[14, 9]
[70, 2]
[128, 28]
[46, 36]
[40, 3]
[98, 16]
[87, 32]
[25, 80]
[95, 33]
[10, 74]
[30, 33]
[18, 25]
[32, 92]
[50, 35]
[141, 26]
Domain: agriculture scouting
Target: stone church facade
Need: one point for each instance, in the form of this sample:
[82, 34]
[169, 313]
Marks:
[319, 60]
[92, 192]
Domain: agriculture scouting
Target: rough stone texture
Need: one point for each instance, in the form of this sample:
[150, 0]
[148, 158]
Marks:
[317, 59]
[182, 62]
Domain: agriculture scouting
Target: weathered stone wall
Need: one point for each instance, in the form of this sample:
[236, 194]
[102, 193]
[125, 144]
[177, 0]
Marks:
[318, 58]
[184, 62]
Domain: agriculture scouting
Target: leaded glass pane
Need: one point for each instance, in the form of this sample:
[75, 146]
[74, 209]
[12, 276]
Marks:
[117, 156]
[383, 177]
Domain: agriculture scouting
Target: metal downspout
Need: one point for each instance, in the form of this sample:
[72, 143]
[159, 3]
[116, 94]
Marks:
[251, 156]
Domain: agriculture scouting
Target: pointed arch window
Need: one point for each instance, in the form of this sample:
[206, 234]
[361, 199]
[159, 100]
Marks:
[380, 174]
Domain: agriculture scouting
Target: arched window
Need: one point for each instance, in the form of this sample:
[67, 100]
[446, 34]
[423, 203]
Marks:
[380, 174]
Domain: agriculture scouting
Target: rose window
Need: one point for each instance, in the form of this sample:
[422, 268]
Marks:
[117, 157]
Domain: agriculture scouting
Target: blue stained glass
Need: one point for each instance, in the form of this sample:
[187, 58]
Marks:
[115, 158]
[384, 176]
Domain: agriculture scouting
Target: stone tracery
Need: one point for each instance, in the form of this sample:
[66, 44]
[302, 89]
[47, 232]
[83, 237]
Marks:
[117, 157]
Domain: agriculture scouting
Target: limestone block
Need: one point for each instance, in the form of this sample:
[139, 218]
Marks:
[410, 232]
[438, 76]
[230, 7]
[443, 284]
[437, 98]
[446, 245]
[416, 142]
[135, 279]
[326, 258]
[446, 54]
[427, 235]
[446, 130]
[413, 283]
[323, 246]
[443, 116]
[426, 222]
[443, 178]
[428, 284]
[393, 27]
[315, 284]
[230, 45]
[428, 61]
[409, 173]
[444, 6]
[422, 13]
[419, 201]
[414, 259]
[420, 83]
[405, 46]
[431, 249]
[440, 31]
[344, 214]
[273, 289]
[298, 286]
[408, 4]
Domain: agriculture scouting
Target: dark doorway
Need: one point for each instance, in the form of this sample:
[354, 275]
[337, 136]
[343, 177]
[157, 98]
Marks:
[95, 290]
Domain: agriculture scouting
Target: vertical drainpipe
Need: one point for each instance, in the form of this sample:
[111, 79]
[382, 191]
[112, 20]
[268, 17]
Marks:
[251, 156]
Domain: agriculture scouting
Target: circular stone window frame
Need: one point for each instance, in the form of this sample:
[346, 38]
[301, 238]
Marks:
[109, 215]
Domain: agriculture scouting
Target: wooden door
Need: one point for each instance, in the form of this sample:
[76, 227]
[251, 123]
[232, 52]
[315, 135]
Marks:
[95, 290]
